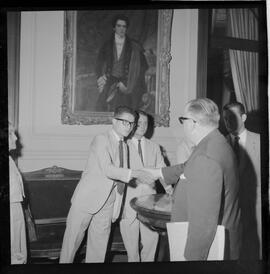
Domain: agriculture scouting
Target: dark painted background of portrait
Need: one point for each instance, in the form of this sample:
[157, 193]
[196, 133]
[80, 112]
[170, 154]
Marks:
[93, 29]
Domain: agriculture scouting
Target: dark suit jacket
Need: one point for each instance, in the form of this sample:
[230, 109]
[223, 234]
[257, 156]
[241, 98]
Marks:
[134, 67]
[208, 196]
[250, 196]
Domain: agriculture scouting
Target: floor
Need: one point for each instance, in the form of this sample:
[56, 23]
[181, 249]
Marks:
[115, 245]
[116, 258]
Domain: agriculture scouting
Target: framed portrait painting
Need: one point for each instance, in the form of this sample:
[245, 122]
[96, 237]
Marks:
[112, 58]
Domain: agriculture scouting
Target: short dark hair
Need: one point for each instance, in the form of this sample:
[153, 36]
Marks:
[124, 109]
[141, 112]
[120, 17]
[238, 105]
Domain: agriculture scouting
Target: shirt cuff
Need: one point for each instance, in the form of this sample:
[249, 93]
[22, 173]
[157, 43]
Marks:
[182, 176]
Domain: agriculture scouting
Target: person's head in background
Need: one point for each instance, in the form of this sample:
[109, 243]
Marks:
[201, 116]
[120, 24]
[142, 124]
[12, 138]
[234, 116]
[123, 121]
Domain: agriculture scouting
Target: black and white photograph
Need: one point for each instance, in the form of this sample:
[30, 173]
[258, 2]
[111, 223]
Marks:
[137, 138]
[93, 87]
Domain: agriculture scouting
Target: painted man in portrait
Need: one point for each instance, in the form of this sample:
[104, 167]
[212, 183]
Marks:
[120, 69]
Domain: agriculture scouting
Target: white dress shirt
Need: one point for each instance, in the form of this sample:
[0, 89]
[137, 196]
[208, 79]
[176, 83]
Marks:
[119, 43]
[136, 142]
[242, 138]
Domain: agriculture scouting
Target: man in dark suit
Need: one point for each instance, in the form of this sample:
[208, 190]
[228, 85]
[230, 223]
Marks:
[207, 195]
[247, 148]
[120, 69]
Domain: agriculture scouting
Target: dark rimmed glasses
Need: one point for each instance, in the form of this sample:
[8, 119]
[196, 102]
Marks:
[126, 122]
[182, 119]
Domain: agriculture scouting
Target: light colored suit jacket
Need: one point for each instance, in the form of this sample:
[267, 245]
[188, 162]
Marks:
[101, 170]
[152, 158]
[250, 194]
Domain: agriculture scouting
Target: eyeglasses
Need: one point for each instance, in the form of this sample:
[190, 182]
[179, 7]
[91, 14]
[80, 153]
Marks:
[182, 119]
[126, 122]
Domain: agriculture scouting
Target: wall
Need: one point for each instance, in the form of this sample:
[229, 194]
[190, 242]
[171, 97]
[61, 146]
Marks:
[45, 140]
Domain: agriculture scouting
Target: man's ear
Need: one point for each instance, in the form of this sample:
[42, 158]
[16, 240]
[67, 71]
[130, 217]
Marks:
[193, 125]
[244, 117]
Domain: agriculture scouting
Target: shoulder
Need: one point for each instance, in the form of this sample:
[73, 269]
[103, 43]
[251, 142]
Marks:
[151, 143]
[215, 146]
[253, 135]
[253, 141]
[101, 139]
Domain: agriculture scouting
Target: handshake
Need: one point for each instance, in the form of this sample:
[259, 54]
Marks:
[146, 175]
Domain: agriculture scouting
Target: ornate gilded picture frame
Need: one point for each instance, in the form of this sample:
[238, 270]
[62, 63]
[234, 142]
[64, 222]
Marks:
[84, 34]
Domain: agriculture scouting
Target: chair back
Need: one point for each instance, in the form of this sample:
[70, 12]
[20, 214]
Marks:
[177, 235]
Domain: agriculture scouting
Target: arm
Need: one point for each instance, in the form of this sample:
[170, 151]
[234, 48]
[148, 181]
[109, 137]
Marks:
[171, 174]
[99, 147]
[205, 183]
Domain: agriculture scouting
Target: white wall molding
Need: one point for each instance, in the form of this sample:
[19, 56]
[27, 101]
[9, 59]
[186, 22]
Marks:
[45, 140]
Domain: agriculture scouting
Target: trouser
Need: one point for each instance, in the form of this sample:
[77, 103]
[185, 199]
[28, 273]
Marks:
[99, 228]
[17, 234]
[130, 231]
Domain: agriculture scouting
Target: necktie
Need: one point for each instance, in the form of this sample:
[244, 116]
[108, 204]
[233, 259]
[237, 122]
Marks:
[121, 186]
[140, 150]
[236, 147]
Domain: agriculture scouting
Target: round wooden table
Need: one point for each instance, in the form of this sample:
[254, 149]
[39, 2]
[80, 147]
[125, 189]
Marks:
[155, 211]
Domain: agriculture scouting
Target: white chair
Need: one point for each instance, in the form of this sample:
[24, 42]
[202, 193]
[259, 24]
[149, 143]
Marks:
[177, 235]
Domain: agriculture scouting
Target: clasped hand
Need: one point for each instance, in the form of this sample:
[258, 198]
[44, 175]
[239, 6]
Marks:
[146, 175]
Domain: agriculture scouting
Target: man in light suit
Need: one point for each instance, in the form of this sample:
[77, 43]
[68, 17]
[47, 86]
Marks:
[248, 153]
[143, 153]
[208, 194]
[94, 197]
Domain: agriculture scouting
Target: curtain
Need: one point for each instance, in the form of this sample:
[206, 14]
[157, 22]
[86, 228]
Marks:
[242, 23]
[13, 45]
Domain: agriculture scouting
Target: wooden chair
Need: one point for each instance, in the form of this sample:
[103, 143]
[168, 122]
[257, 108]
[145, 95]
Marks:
[48, 194]
[177, 235]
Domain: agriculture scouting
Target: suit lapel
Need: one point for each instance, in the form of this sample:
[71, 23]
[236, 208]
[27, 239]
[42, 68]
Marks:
[113, 147]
